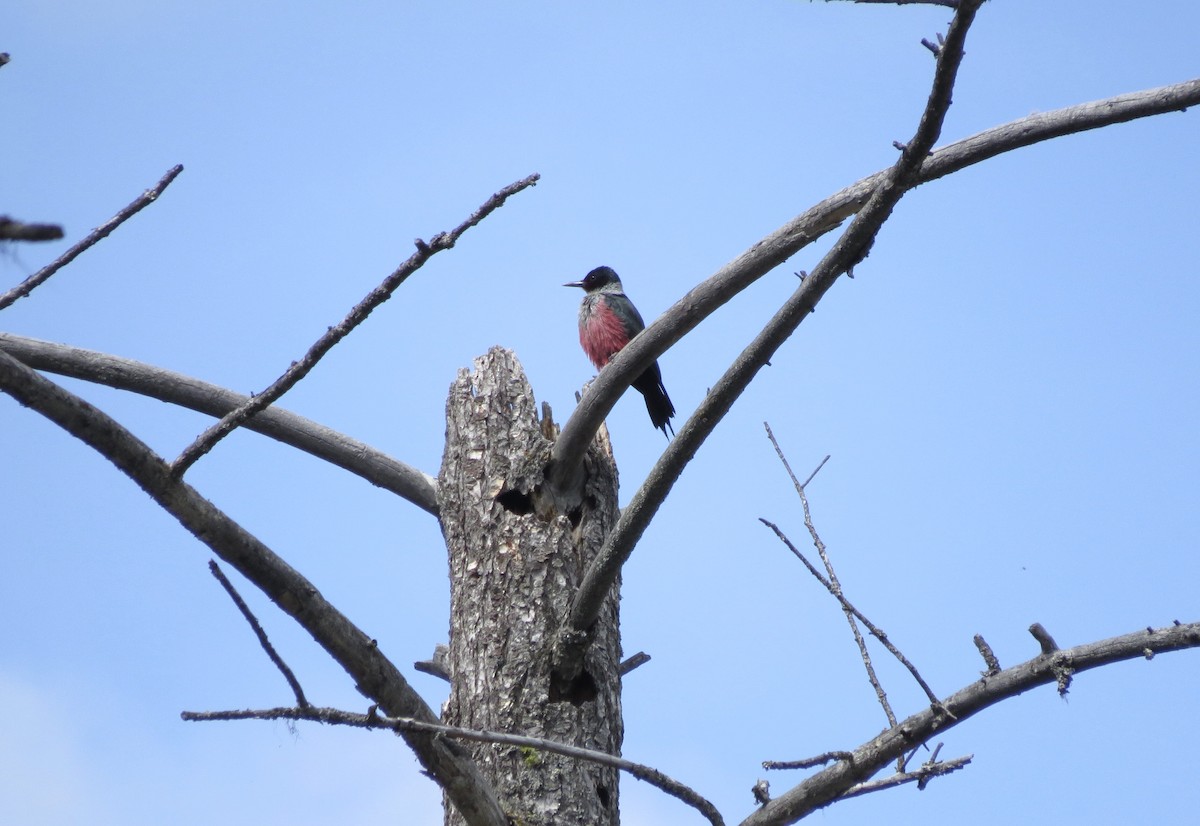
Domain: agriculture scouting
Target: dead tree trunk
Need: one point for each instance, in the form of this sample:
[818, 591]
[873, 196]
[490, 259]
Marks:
[515, 561]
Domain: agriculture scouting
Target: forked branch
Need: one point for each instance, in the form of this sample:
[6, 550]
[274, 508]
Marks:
[920, 775]
[838, 780]
[831, 584]
[768, 253]
[856, 614]
[850, 249]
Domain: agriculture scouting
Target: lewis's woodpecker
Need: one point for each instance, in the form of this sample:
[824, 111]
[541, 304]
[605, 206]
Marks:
[607, 321]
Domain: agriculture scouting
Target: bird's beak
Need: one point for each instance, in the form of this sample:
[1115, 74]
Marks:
[573, 284]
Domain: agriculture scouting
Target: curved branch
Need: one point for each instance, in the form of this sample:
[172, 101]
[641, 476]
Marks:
[767, 254]
[304, 434]
[374, 675]
[851, 248]
[841, 778]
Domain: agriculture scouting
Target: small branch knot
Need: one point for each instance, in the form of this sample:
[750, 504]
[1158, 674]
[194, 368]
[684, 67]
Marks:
[989, 658]
[1062, 676]
[1049, 646]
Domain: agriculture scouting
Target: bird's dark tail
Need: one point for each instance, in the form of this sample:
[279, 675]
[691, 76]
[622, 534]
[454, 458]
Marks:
[658, 403]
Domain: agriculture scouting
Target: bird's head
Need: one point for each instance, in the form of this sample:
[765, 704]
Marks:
[601, 279]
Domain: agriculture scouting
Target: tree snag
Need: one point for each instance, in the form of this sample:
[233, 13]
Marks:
[515, 563]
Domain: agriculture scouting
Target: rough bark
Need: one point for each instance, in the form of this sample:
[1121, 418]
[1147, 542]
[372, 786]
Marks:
[516, 560]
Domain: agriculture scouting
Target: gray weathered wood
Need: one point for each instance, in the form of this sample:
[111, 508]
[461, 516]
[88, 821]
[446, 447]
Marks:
[515, 562]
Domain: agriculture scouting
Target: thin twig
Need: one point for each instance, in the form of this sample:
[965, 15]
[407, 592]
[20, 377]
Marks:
[812, 475]
[921, 776]
[145, 199]
[299, 369]
[951, 4]
[374, 720]
[875, 631]
[834, 585]
[807, 762]
[255, 626]
[902, 763]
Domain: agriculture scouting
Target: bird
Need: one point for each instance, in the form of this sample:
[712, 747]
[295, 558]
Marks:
[607, 321]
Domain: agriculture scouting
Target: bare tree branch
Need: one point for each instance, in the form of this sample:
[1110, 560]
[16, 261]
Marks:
[853, 615]
[849, 608]
[1064, 672]
[257, 628]
[335, 716]
[299, 369]
[1039, 633]
[834, 586]
[636, 661]
[807, 762]
[14, 230]
[436, 665]
[951, 4]
[374, 675]
[847, 251]
[768, 253]
[304, 434]
[103, 231]
[832, 783]
[921, 775]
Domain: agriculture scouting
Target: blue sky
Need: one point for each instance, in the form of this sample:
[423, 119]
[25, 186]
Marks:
[1008, 387]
